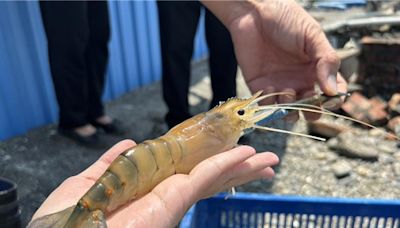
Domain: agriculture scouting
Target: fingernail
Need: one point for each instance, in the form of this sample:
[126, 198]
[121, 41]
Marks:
[332, 83]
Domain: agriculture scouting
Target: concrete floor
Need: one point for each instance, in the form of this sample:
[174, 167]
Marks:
[41, 159]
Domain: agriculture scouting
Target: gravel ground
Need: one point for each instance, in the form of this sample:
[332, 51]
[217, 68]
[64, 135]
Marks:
[309, 167]
[40, 160]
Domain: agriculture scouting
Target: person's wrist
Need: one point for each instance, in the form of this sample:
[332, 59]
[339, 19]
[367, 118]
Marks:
[228, 11]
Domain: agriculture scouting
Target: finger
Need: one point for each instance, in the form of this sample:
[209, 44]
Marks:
[212, 168]
[310, 116]
[255, 163]
[168, 194]
[116, 150]
[289, 98]
[327, 61]
[327, 68]
[342, 85]
[269, 100]
[266, 173]
[97, 169]
[342, 88]
[335, 103]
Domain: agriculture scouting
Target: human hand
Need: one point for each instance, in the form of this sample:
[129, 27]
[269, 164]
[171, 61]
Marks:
[166, 204]
[280, 47]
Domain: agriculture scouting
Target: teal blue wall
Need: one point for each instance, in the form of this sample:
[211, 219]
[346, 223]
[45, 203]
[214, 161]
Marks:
[27, 97]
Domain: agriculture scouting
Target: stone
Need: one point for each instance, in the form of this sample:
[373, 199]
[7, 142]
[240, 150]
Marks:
[388, 147]
[394, 104]
[357, 106]
[377, 116]
[5, 158]
[396, 169]
[386, 159]
[377, 112]
[356, 146]
[394, 124]
[346, 181]
[330, 156]
[377, 132]
[2, 153]
[378, 102]
[320, 156]
[332, 143]
[363, 171]
[341, 169]
[392, 137]
[326, 129]
[314, 150]
[22, 148]
[367, 110]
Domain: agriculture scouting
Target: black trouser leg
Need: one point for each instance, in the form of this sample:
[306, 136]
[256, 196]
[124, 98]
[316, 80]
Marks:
[97, 56]
[178, 23]
[222, 60]
[67, 31]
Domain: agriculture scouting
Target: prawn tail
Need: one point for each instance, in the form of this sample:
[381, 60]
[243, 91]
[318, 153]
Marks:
[71, 217]
[56, 220]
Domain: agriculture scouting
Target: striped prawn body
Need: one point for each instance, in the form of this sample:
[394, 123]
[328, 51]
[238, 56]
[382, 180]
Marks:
[138, 170]
[131, 175]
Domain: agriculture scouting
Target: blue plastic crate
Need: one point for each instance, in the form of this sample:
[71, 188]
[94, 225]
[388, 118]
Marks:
[339, 4]
[267, 211]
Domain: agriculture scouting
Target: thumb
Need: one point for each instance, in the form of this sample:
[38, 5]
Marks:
[324, 55]
[327, 69]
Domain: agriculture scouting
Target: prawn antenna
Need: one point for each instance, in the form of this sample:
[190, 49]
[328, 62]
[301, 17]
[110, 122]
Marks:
[320, 110]
[270, 95]
[288, 132]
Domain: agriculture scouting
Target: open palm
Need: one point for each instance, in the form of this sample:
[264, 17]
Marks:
[166, 204]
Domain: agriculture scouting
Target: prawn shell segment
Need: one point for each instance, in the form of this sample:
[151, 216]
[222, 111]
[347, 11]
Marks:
[127, 173]
[163, 160]
[154, 163]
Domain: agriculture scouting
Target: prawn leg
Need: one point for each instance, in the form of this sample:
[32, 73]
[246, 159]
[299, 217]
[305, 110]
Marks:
[96, 219]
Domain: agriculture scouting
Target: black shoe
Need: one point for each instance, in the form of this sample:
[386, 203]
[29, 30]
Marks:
[89, 141]
[115, 127]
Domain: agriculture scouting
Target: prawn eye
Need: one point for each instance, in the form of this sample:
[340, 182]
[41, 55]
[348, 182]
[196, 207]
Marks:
[241, 112]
